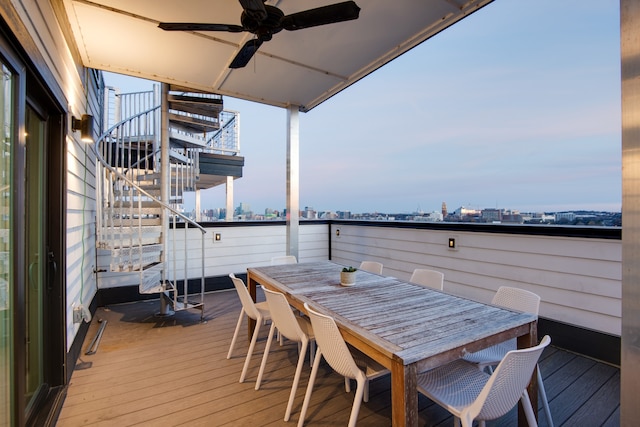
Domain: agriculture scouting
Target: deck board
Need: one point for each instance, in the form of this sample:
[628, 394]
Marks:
[152, 371]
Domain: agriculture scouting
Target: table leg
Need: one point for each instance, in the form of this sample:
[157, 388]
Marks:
[526, 341]
[251, 285]
[404, 395]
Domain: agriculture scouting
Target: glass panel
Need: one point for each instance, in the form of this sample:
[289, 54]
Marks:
[35, 254]
[6, 129]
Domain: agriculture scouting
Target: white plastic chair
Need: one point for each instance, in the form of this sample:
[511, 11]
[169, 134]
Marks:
[513, 299]
[332, 346]
[292, 327]
[284, 259]
[371, 267]
[256, 311]
[428, 278]
[471, 394]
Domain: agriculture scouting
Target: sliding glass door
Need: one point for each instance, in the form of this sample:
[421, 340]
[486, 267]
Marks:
[32, 342]
[35, 257]
[6, 246]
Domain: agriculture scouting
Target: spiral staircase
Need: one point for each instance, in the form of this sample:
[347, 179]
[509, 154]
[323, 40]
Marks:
[148, 158]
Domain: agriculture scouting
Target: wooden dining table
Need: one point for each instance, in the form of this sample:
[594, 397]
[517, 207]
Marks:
[405, 327]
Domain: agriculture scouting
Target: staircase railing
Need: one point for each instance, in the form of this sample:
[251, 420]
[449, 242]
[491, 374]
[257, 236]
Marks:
[129, 223]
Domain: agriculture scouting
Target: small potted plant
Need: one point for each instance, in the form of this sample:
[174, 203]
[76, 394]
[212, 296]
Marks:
[348, 276]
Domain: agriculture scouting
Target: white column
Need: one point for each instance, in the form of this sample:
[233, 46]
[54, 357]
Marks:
[229, 213]
[165, 182]
[293, 180]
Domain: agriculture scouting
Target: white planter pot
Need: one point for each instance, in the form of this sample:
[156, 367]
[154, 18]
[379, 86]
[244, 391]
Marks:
[348, 278]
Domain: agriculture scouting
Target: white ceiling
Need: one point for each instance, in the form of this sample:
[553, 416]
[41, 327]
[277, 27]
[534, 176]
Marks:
[302, 68]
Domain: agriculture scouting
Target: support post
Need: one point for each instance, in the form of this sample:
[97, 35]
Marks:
[229, 210]
[165, 182]
[293, 180]
[630, 74]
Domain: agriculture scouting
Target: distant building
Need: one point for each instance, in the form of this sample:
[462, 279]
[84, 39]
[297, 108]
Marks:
[243, 209]
[444, 209]
[466, 213]
[565, 217]
[344, 214]
[512, 217]
[491, 215]
[429, 217]
[310, 213]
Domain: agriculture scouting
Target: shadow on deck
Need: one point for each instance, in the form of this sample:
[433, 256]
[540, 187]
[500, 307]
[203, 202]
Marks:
[173, 371]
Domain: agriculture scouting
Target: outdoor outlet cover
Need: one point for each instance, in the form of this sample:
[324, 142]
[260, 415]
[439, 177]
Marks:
[77, 314]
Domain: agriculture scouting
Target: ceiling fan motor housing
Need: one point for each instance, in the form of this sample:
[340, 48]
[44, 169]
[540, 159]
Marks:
[266, 28]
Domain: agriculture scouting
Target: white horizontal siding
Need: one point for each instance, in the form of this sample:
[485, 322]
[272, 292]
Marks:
[243, 247]
[578, 279]
[56, 57]
[240, 247]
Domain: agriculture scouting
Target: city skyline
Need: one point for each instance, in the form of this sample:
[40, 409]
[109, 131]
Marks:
[245, 208]
[513, 106]
[243, 212]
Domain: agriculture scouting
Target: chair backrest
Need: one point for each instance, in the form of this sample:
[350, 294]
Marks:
[371, 267]
[430, 278]
[284, 259]
[331, 344]
[517, 299]
[282, 315]
[507, 383]
[245, 298]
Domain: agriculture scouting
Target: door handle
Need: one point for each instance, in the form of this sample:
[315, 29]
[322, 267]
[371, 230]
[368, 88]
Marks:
[53, 270]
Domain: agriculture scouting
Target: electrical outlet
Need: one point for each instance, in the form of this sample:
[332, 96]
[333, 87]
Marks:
[77, 314]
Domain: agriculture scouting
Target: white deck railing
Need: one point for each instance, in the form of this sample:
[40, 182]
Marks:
[578, 277]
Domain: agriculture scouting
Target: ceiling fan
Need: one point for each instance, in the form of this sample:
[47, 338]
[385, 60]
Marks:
[264, 21]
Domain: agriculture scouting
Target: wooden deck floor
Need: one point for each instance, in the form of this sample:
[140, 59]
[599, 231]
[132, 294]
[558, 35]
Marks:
[169, 372]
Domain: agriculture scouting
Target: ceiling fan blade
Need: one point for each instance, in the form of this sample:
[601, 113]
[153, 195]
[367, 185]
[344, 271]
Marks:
[255, 9]
[246, 53]
[337, 12]
[193, 26]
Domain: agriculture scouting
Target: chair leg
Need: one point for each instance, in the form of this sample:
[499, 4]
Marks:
[296, 379]
[528, 410]
[265, 356]
[366, 391]
[312, 379]
[254, 338]
[543, 396]
[357, 400]
[235, 334]
[312, 351]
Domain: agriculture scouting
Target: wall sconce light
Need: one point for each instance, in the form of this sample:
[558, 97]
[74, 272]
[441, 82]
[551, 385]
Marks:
[452, 244]
[85, 126]
[217, 237]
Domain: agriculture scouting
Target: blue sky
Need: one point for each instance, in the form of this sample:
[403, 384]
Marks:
[516, 106]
